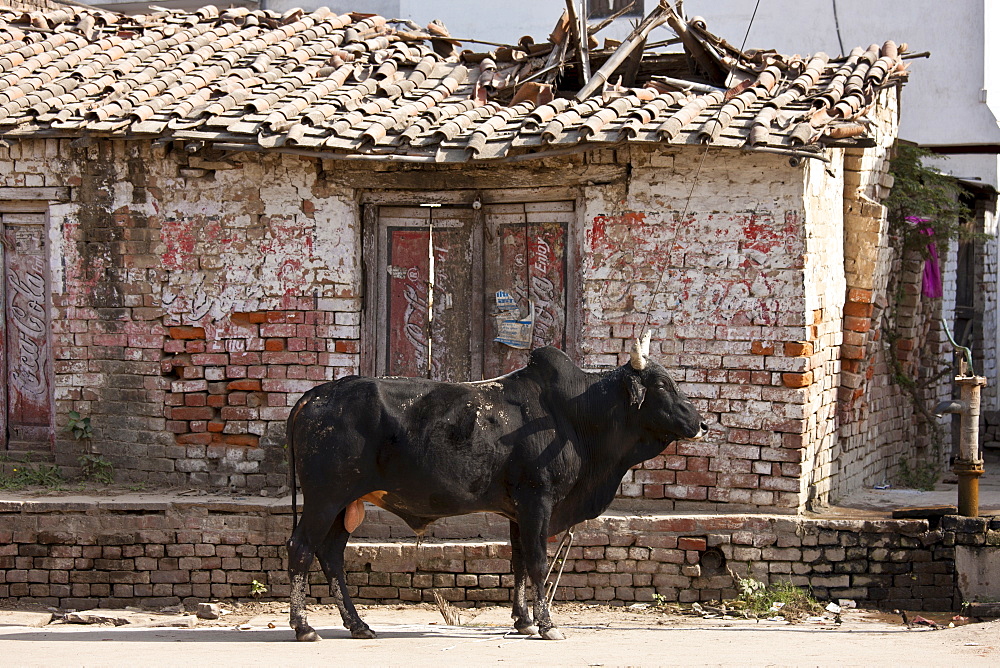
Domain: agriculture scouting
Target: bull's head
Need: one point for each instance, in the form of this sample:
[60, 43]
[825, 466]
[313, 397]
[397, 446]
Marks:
[663, 408]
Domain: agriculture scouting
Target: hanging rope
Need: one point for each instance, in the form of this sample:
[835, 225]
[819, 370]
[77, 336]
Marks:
[694, 182]
[680, 221]
[561, 556]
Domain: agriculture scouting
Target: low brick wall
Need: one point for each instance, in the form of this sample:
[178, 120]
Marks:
[81, 554]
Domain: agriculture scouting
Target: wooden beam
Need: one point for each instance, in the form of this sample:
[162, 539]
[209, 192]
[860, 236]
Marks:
[473, 179]
[55, 193]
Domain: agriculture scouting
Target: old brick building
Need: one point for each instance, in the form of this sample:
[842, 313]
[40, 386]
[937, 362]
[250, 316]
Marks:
[212, 213]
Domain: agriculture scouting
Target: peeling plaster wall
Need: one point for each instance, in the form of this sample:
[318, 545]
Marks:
[825, 290]
[192, 304]
[729, 315]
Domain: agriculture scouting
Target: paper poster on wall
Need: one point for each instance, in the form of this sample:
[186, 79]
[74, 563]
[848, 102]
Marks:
[513, 329]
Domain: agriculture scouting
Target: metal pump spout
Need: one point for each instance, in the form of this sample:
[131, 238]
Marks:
[952, 406]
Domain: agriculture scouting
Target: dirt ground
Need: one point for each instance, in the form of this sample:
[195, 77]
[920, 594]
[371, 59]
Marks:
[258, 635]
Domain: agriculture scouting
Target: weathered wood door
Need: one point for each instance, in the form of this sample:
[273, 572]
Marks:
[425, 298]
[435, 319]
[26, 416]
[526, 256]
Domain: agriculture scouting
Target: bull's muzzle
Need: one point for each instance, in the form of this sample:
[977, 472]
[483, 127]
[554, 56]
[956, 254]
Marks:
[702, 432]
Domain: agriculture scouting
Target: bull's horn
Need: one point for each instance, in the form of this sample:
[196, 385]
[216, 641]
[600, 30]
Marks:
[640, 351]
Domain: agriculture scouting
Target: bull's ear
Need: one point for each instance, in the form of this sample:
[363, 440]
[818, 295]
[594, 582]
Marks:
[636, 390]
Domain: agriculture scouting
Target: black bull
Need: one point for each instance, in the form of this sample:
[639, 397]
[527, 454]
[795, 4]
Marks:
[545, 446]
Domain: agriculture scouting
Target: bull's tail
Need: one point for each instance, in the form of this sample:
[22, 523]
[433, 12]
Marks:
[295, 491]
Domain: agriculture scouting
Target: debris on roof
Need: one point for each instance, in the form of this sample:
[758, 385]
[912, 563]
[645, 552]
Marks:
[361, 86]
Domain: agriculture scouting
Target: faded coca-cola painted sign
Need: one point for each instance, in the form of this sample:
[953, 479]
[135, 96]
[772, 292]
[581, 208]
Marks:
[26, 341]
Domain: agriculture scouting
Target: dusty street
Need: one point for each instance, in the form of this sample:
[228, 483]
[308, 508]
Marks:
[415, 636]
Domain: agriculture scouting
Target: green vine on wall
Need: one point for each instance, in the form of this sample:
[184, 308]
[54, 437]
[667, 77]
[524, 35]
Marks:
[922, 191]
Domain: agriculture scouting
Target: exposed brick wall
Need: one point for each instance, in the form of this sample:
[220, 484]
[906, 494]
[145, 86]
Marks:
[154, 554]
[878, 425]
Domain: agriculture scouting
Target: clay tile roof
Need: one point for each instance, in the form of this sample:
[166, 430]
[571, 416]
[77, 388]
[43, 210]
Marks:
[357, 86]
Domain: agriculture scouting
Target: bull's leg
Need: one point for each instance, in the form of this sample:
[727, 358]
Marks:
[534, 526]
[522, 618]
[301, 550]
[331, 558]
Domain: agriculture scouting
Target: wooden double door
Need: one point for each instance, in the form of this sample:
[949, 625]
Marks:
[432, 277]
[26, 398]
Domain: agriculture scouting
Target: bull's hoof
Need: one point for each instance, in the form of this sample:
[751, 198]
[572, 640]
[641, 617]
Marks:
[363, 633]
[552, 634]
[526, 629]
[307, 635]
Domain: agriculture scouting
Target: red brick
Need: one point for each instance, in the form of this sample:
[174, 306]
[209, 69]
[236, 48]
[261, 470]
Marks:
[194, 439]
[708, 479]
[858, 310]
[854, 338]
[186, 333]
[761, 348]
[688, 543]
[277, 331]
[248, 440]
[238, 413]
[795, 441]
[216, 426]
[210, 359]
[655, 476]
[280, 358]
[852, 352]
[274, 345]
[343, 346]
[244, 359]
[216, 400]
[296, 317]
[253, 317]
[857, 324]
[858, 295]
[652, 491]
[177, 427]
[195, 399]
[798, 349]
[797, 380]
[245, 385]
[190, 413]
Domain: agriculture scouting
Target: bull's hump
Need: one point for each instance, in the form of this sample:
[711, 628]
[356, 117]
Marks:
[551, 365]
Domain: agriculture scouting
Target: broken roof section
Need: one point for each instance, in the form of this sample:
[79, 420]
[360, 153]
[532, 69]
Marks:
[361, 86]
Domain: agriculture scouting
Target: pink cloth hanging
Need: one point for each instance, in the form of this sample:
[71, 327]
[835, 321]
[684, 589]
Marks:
[932, 287]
